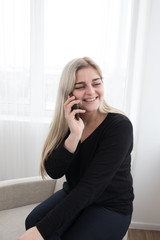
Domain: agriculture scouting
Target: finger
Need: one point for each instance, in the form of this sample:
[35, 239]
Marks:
[75, 111]
[70, 108]
[79, 110]
[70, 104]
[69, 100]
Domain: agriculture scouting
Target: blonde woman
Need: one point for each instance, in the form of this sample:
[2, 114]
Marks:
[90, 143]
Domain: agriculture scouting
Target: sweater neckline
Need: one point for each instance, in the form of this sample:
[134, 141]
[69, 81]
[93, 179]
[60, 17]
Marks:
[99, 126]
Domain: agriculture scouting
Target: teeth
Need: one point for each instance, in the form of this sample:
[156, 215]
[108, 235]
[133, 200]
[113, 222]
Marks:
[90, 100]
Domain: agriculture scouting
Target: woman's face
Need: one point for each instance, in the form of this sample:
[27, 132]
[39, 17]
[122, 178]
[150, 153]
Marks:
[88, 89]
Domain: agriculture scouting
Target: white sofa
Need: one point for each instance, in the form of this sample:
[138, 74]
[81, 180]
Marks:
[17, 198]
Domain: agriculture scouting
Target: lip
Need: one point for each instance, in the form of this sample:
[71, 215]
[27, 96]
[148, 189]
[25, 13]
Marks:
[90, 100]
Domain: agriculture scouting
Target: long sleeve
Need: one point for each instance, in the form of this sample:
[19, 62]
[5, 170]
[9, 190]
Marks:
[111, 153]
[59, 161]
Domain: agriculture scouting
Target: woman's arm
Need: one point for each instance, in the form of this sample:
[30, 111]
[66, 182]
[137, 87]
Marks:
[58, 162]
[60, 159]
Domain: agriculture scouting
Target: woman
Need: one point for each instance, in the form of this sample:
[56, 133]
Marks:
[91, 145]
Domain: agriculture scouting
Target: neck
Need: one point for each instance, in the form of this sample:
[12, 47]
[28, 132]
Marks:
[90, 117]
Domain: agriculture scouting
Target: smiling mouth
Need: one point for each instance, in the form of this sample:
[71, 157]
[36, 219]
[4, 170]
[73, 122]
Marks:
[90, 99]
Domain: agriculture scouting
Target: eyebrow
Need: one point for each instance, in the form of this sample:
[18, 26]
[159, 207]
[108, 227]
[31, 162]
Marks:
[94, 79]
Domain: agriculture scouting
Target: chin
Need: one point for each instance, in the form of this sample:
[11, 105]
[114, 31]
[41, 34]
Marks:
[92, 109]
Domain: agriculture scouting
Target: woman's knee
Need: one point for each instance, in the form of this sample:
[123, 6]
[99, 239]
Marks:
[43, 208]
[29, 222]
[32, 218]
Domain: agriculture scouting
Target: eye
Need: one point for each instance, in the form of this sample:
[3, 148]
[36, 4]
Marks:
[79, 87]
[97, 84]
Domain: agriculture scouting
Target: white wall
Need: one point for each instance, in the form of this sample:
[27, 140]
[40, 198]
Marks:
[146, 169]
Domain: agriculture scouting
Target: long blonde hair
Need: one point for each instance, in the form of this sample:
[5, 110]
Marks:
[59, 127]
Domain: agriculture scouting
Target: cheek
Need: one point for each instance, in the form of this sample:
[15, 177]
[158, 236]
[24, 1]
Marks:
[101, 92]
[78, 95]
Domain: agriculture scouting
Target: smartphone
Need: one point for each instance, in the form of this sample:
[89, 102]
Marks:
[75, 106]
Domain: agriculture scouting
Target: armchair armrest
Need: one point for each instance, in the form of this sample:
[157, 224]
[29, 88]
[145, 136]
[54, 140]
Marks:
[24, 191]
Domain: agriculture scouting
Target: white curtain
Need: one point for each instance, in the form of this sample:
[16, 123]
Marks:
[37, 38]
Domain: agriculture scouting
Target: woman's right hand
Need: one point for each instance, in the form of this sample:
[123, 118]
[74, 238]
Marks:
[76, 126]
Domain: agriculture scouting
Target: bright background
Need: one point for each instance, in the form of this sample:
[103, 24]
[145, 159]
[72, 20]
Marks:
[38, 37]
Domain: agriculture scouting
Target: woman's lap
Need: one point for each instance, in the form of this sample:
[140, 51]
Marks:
[94, 222]
[98, 223]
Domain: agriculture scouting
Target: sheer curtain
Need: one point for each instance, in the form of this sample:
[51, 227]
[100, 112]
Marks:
[37, 38]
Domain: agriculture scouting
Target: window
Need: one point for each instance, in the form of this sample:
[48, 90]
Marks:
[39, 37]
[15, 54]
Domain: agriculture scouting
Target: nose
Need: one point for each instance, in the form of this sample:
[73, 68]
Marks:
[89, 89]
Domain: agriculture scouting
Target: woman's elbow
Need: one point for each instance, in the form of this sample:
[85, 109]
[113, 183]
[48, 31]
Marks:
[55, 174]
